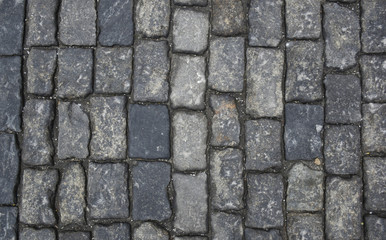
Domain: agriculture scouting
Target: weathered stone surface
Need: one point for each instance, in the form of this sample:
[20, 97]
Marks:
[113, 70]
[37, 195]
[151, 67]
[302, 134]
[115, 22]
[191, 2]
[265, 23]
[342, 149]
[375, 227]
[303, 19]
[108, 121]
[77, 25]
[190, 31]
[264, 82]
[341, 33]
[373, 25]
[74, 131]
[189, 141]
[149, 129]
[228, 17]
[190, 238]
[9, 168]
[37, 234]
[226, 64]
[304, 71]
[41, 65]
[107, 190]
[264, 200]
[373, 77]
[191, 203]
[150, 198]
[37, 147]
[11, 27]
[149, 231]
[226, 179]
[253, 234]
[226, 226]
[115, 231]
[263, 142]
[188, 82]
[305, 226]
[8, 225]
[10, 90]
[375, 181]
[152, 18]
[225, 121]
[343, 208]
[374, 123]
[74, 235]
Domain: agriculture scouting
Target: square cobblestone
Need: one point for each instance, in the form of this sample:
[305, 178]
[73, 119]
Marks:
[303, 19]
[373, 25]
[11, 27]
[375, 183]
[373, 70]
[149, 231]
[227, 226]
[254, 234]
[37, 234]
[115, 231]
[8, 222]
[305, 226]
[376, 227]
[152, 18]
[229, 17]
[191, 2]
[9, 168]
[374, 123]
[74, 235]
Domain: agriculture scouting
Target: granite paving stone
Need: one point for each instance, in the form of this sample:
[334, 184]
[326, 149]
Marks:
[74, 235]
[305, 226]
[115, 231]
[373, 70]
[149, 231]
[374, 123]
[373, 26]
[11, 27]
[191, 2]
[190, 238]
[37, 234]
[228, 17]
[375, 183]
[9, 168]
[226, 226]
[152, 18]
[254, 234]
[8, 222]
[376, 227]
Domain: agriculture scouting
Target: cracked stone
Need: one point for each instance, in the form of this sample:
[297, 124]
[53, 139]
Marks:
[8, 222]
[115, 231]
[37, 234]
[227, 226]
[373, 26]
[375, 227]
[149, 231]
[9, 168]
[253, 234]
[228, 17]
[152, 18]
[74, 235]
[375, 181]
[305, 226]
[374, 123]
[303, 19]
[373, 69]
[191, 2]
[11, 27]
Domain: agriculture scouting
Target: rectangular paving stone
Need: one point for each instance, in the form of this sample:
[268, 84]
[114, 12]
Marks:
[115, 22]
[151, 67]
[254, 234]
[149, 231]
[264, 201]
[303, 19]
[375, 182]
[150, 191]
[305, 226]
[189, 141]
[74, 235]
[8, 222]
[152, 18]
[374, 123]
[37, 234]
[226, 226]
[190, 238]
[11, 27]
[9, 168]
[115, 231]
[37, 147]
[191, 2]
[375, 227]
[373, 69]
[226, 64]
[107, 190]
[373, 26]
[108, 127]
[228, 17]
[37, 196]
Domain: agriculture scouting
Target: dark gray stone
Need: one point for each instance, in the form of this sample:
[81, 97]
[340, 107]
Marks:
[343, 104]
[226, 64]
[115, 231]
[341, 35]
[375, 228]
[152, 18]
[149, 129]
[190, 238]
[190, 31]
[228, 17]
[263, 142]
[151, 68]
[149, 231]
[373, 26]
[373, 69]
[37, 234]
[342, 149]
[305, 226]
[189, 141]
[374, 125]
[113, 70]
[11, 27]
[227, 226]
[191, 2]
[264, 200]
[303, 19]
[8, 223]
[150, 186]
[107, 189]
[343, 208]
[253, 234]
[75, 72]
[74, 235]
[264, 82]
[304, 71]
[108, 121]
[375, 180]
[37, 196]
[115, 22]
[37, 147]
[9, 168]
[41, 65]
[302, 134]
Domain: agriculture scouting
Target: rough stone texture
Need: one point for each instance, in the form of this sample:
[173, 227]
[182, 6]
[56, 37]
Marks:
[149, 231]
[264, 82]
[341, 33]
[373, 77]
[113, 70]
[188, 82]
[253, 234]
[264, 200]
[37, 147]
[74, 235]
[37, 195]
[302, 134]
[11, 27]
[226, 179]
[10, 89]
[115, 231]
[265, 23]
[190, 238]
[303, 19]
[304, 71]
[74, 131]
[191, 2]
[263, 142]
[107, 190]
[343, 104]
[343, 208]
[41, 65]
[225, 121]
[8, 225]
[37, 234]
[374, 123]
[226, 64]
[228, 17]
[149, 129]
[77, 25]
[108, 121]
[152, 18]
[226, 226]
[373, 25]
[190, 202]
[305, 226]
[375, 183]
[375, 227]
[41, 19]
[190, 31]
[189, 141]
[151, 67]
[115, 22]
[305, 189]
[150, 198]
[75, 72]
[342, 149]
[9, 168]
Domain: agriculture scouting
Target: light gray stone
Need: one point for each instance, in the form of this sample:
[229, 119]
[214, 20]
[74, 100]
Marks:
[37, 234]
[11, 27]
[8, 223]
[228, 17]
[305, 226]
[374, 123]
[226, 226]
[375, 227]
[9, 168]
[253, 234]
[303, 19]
[375, 181]
[115, 231]
[152, 18]
[149, 231]
[191, 2]
[373, 26]
[373, 69]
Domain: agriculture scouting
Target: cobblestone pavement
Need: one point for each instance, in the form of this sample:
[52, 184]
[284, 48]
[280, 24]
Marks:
[192, 119]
